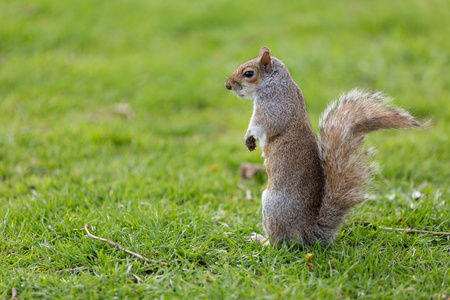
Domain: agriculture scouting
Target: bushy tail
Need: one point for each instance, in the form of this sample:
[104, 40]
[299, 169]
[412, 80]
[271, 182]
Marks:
[342, 129]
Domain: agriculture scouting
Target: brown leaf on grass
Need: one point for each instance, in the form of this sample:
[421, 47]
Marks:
[118, 110]
[249, 171]
[309, 258]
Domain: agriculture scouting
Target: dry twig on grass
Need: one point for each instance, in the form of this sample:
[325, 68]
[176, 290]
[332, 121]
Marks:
[120, 247]
[248, 193]
[407, 230]
[14, 294]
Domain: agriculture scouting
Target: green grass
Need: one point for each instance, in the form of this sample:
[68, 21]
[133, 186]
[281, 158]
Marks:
[164, 182]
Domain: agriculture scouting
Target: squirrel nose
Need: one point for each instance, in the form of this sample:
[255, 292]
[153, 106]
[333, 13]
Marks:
[228, 85]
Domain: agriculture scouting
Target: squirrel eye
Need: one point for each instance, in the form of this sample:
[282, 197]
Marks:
[248, 74]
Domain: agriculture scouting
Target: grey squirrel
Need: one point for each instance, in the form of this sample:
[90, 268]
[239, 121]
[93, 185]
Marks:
[312, 184]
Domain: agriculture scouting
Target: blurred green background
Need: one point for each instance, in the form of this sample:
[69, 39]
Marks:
[114, 112]
[63, 63]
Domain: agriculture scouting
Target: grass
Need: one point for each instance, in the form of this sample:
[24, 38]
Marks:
[160, 175]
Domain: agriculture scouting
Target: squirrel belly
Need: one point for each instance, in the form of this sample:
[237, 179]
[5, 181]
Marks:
[312, 184]
[292, 199]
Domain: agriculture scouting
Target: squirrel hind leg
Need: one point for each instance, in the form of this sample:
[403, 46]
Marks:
[259, 239]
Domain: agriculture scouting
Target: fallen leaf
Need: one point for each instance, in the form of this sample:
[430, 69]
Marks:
[123, 109]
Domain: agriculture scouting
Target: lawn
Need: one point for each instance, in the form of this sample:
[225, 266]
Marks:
[114, 114]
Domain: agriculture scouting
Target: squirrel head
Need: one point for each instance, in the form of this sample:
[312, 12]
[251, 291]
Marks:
[249, 75]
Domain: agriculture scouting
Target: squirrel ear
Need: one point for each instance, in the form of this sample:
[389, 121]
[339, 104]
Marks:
[263, 49]
[265, 60]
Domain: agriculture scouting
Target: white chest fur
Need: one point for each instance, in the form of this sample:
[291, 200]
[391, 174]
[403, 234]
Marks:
[255, 129]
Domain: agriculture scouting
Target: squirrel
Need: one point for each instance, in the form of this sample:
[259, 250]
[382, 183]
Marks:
[312, 183]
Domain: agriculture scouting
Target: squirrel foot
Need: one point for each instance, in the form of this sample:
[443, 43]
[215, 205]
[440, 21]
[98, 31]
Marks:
[250, 142]
[259, 239]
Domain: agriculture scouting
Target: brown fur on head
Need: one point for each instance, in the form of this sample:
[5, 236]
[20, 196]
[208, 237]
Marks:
[249, 75]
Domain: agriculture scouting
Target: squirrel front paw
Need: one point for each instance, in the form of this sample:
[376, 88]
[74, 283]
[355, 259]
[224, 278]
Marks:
[259, 239]
[250, 142]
